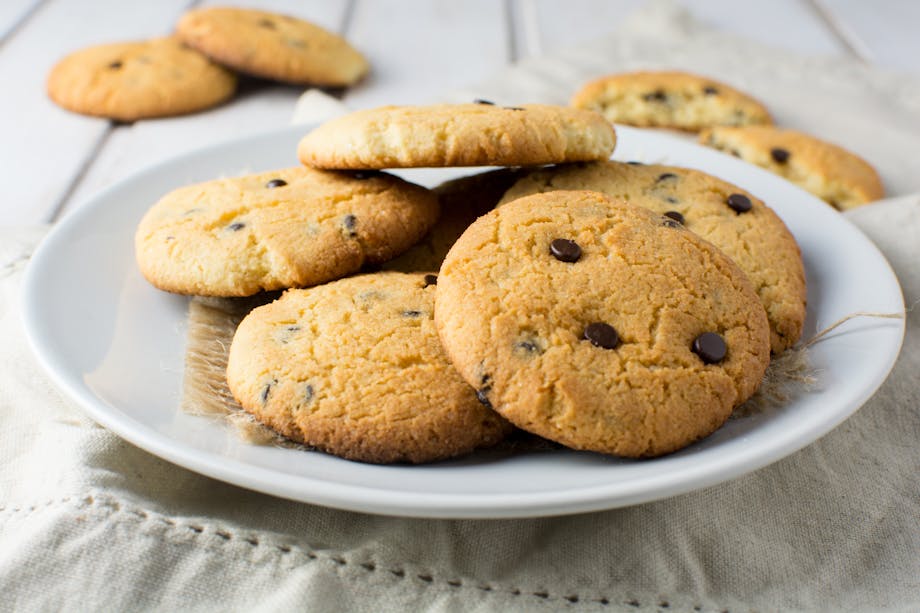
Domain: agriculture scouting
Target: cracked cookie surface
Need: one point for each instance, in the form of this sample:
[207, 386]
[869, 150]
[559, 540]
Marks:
[294, 227]
[137, 80]
[756, 239]
[601, 345]
[458, 135]
[839, 177]
[677, 100]
[355, 368]
[272, 46]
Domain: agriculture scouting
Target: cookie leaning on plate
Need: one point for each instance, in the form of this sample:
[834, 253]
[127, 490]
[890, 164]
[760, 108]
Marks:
[355, 368]
[676, 100]
[841, 178]
[733, 220]
[136, 80]
[458, 135]
[272, 46]
[599, 325]
[274, 230]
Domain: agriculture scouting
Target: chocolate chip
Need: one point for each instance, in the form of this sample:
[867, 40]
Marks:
[656, 96]
[431, 280]
[602, 335]
[527, 347]
[675, 216]
[709, 90]
[481, 397]
[515, 108]
[481, 101]
[565, 250]
[735, 153]
[779, 155]
[710, 347]
[236, 226]
[635, 163]
[350, 222]
[485, 386]
[412, 313]
[308, 394]
[670, 200]
[665, 176]
[267, 23]
[267, 390]
[170, 238]
[739, 203]
[275, 183]
[115, 65]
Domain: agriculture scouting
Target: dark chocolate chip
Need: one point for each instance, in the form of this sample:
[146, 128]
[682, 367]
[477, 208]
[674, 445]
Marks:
[267, 23]
[527, 347]
[275, 183]
[665, 176]
[267, 390]
[735, 153]
[412, 313]
[779, 155]
[602, 335]
[308, 394]
[170, 238]
[658, 95]
[675, 216]
[635, 163]
[115, 65]
[482, 101]
[671, 199]
[236, 226]
[710, 347]
[481, 396]
[739, 203]
[293, 328]
[350, 223]
[431, 280]
[565, 250]
[515, 108]
[709, 90]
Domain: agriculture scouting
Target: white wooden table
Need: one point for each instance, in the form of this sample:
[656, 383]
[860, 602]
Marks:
[53, 160]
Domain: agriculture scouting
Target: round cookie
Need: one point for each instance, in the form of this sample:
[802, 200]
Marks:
[756, 239]
[598, 325]
[837, 176]
[274, 230]
[272, 46]
[137, 80]
[462, 201]
[675, 100]
[355, 368]
[480, 134]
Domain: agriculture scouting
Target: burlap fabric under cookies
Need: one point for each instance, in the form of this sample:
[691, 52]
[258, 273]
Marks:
[89, 522]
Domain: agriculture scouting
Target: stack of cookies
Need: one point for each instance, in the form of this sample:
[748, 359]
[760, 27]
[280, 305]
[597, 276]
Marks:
[734, 122]
[619, 308]
[196, 68]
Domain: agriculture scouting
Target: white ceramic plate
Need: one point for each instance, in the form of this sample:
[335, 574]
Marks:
[115, 345]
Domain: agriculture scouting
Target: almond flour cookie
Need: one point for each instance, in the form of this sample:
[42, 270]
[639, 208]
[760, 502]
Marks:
[355, 368]
[274, 230]
[462, 201]
[669, 100]
[272, 46]
[733, 220]
[832, 173]
[137, 80]
[480, 134]
[598, 325]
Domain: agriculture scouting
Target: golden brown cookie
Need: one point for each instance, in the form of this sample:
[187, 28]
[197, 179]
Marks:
[479, 134]
[669, 100]
[137, 80]
[274, 230]
[355, 368]
[732, 219]
[462, 201]
[272, 46]
[598, 325]
[837, 176]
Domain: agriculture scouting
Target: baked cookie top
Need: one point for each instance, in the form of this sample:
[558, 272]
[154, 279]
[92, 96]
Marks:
[462, 200]
[272, 46]
[732, 219]
[355, 368]
[274, 230]
[677, 100]
[137, 80]
[479, 134]
[837, 176]
[599, 325]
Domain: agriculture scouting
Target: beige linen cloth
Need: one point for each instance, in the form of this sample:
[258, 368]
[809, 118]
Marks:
[89, 522]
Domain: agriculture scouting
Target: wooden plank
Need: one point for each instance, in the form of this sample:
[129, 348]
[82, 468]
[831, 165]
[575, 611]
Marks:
[422, 49]
[13, 13]
[45, 148]
[883, 33]
[790, 24]
[257, 107]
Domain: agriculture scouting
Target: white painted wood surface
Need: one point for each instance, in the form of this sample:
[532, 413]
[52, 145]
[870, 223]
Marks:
[53, 160]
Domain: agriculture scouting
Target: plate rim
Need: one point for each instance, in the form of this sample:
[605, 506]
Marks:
[402, 503]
